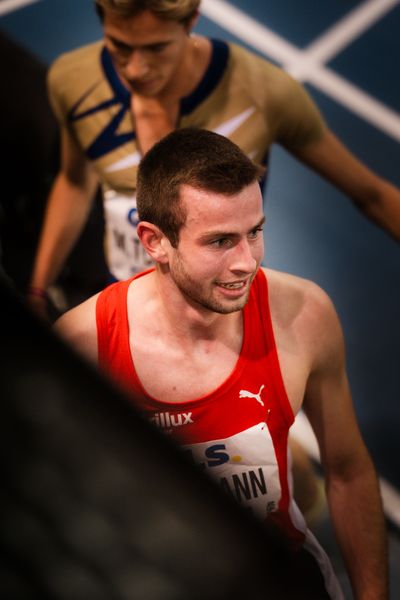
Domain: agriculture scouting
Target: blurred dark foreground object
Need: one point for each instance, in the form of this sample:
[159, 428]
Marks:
[30, 161]
[95, 504]
[29, 141]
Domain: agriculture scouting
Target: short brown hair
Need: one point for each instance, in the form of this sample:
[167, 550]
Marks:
[174, 10]
[195, 157]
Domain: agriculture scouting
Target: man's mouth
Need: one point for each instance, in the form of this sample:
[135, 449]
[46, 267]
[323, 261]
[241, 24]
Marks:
[141, 84]
[236, 285]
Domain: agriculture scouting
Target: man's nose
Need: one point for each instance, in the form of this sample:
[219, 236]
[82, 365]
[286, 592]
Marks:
[244, 260]
[137, 66]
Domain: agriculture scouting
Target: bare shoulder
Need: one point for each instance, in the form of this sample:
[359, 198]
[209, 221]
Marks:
[78, 328]
[292, 296]
[301, 310]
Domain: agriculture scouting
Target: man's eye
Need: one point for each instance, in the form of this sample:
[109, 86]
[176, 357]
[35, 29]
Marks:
[158, 47]
[254, 234]
[220, 242]
[122, 49]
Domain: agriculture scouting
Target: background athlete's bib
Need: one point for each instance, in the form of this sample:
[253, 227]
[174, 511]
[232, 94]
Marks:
[125, 254]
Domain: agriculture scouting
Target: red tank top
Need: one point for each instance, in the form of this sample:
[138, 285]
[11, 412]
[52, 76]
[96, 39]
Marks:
[239, 432]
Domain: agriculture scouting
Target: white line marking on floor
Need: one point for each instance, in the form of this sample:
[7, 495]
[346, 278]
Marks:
[7, 6]
[356, 100]
[302, 431]
[302, 66]
[349, 28]
[250, 31]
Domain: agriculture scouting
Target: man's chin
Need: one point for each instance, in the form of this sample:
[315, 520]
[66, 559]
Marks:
[226, 307]
[147, 90]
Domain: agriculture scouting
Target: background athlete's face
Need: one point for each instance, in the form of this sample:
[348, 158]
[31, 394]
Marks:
[147, 51]
[220, 248]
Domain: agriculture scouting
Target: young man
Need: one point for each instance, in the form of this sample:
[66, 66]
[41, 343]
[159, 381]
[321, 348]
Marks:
[221, 354]
[114, 99]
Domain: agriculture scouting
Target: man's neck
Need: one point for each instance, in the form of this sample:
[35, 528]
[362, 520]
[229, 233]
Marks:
[155, 117]
[191, 70]
[183, 318]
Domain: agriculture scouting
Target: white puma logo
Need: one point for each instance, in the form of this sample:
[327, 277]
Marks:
[246, 394]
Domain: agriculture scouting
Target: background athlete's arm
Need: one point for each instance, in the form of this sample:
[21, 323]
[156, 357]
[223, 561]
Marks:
[302, 131]
[67, 211]
[378, 199]
[352, 486]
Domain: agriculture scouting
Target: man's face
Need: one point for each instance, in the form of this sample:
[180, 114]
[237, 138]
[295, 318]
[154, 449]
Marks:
[220, 248]
[146, 51]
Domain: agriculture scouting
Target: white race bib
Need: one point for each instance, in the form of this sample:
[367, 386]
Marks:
[246, 467]
[125, 254]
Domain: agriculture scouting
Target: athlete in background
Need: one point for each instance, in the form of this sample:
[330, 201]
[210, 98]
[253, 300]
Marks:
[148, 76]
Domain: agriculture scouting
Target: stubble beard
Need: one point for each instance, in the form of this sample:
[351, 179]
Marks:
[194, 292]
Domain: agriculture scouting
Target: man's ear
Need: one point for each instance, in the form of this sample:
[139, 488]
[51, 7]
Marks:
[153, 241]
[190, 25]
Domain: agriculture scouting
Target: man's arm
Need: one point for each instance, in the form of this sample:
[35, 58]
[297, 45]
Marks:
[352, 486]
[378, 199]
[67, 211]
